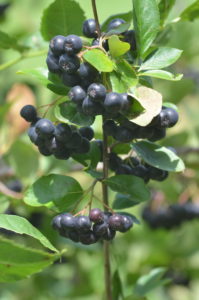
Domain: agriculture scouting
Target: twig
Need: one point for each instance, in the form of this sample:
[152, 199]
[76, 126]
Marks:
[96, 18]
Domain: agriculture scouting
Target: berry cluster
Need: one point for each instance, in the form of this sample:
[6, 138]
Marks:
[61, 140]
[133, 166]
[96, 101]
[170, 217]
[155, 131]
[90, 229]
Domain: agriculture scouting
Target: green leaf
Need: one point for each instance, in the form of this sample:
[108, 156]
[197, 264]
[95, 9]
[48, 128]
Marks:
[61, 191]
[98, 59]
[48, 80]
[124, 201]
[90, 159]
[129, 185]
[125, 16]
[17, 262]
[127, 73]
[158, 156]
[146, 23]
[118, 85]
[117, 286]
[117, 47]
[165, 7]
[22, 226]
[59, 19]
[148, 282]
[191, 12]
[161, 58]
[19, 152]
[67, 111]
[150, 100]
[9, 42]
[161, 74]
[172, 105]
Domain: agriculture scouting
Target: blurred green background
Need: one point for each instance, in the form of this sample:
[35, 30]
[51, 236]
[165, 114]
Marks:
[79, 275]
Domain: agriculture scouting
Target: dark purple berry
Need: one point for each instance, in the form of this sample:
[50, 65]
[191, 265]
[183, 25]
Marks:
[96, 215]
[113, 102]
[110, 127]
[72, 44]
[127, 223]
[83, 224]
[116, 222]
[70, 79]
[52, 62]
[87, 132]
[29, 113]
[88, 238]
[77, 94]
[57, 45]
[56, 222]
[97, 92]
[115, 23]
[69, 64]
[45, 128]
[90, 29]
[123, 134]
[63, 132]
[68, 222]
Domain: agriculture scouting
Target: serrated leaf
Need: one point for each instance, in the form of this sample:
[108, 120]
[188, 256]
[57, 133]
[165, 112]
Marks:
[50, 81]
[148, 282]
[117, 47]
[129, 185]
[165, 7]
[58, 19]
[99, 60]
[16, 155]
[159, 156]
[9, 42]
[22, 226]
[150, 100]
[125, 16]
[54, 190]
[67, 111]
[127, 73]
[161, 58]
[191, 12]
[146, 21]
[124, 201]
[17, 262]
[161, 74]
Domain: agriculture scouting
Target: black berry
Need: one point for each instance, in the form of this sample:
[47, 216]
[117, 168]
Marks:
[77, 94]
[89, 28]
[97, 92]
[72, 44]
[29, 113]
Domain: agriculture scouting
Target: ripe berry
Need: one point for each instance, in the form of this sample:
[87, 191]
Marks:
[57, 44]
[61, 153]
[116, 222]
[129, 37]
[124, 169]
[44, 150]
[63, 132]
[70, 79]
[96, 215]
[109, 235]
[83, 147]
[90, 29]
[32, 134]
[146, 132]
[87, 132]
[73, 235]
[168, 117]
[113, 102]
[157, 174]
[127, 223]
[123, 134]
[77, 94]
[52, 62]
[126, 103]
[91, 108]
[114, 161]
[44, 128]
[115, 23]
[68, 222]
[83, 224]
[87, 72]
[100, 229]
[29, 113]
[69, 64]
[88, 238]
[158, 134]
[56, 222]
[141, 171]
[97, 92]
[72, 44]
[110, 127]
[75, 140]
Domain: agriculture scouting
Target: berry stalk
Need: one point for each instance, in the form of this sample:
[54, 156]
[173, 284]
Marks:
[107, 264]
[96, 17]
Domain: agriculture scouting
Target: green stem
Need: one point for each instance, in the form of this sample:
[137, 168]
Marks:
[20, 58]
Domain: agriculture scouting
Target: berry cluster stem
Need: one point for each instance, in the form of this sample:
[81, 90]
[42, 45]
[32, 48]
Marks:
[107, 264]
[96, 17]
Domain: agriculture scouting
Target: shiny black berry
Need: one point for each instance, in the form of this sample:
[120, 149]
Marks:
[115, 23]
[72, 44]
[77, 94]
[113, 102]
[87, 132]
[69, 64]
[52, 62]
[90, 29]
[29, 113]
[63, 132]
[45, 128]
[57, 45]
[97, 92]
[96, 215]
